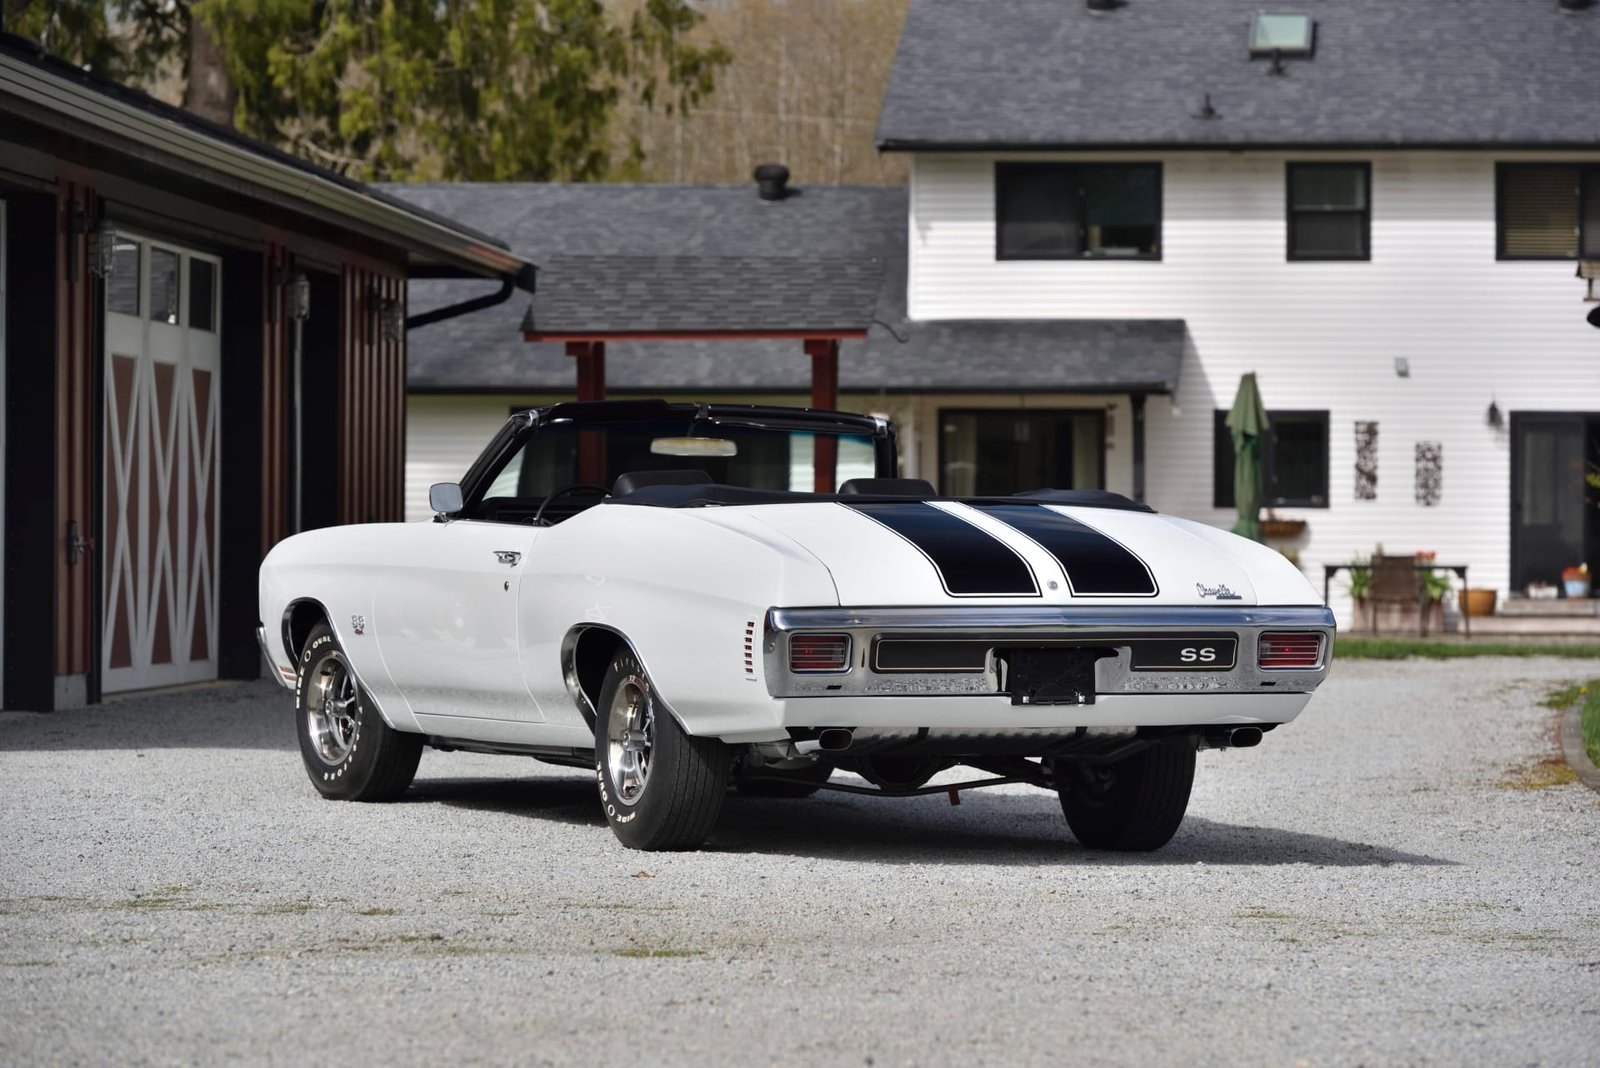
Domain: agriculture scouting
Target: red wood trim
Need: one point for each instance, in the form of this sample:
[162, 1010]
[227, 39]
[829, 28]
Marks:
[75, 413]
[824, 353]
[695, 335]
[274, 399]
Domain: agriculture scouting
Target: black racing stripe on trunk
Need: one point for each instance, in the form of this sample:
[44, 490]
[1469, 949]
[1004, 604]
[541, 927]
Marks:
[970, 561]
[1096, 566]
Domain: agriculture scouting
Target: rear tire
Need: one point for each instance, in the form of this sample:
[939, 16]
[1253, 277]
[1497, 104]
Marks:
[350, 753]
[1134, 805]
[660, 787]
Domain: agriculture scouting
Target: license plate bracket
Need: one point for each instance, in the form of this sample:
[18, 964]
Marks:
[1061, 676]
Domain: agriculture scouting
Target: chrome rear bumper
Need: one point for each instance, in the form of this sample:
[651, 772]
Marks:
[1115, 628]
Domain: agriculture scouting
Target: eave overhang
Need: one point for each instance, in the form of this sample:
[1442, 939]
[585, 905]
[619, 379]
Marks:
[35, 93]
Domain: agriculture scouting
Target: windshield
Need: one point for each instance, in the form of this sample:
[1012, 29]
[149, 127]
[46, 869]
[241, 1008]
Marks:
[560, 454]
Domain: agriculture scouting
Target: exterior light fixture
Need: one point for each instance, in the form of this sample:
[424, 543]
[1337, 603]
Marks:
[299, 292]
[1402, 367]
[392, 320]
[1493, 417]
[103, 249]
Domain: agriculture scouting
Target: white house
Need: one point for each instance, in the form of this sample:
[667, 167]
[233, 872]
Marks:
[1117, 209]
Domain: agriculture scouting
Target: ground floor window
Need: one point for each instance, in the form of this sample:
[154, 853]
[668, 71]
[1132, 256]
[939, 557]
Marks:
[1294, 460]
[995, 452]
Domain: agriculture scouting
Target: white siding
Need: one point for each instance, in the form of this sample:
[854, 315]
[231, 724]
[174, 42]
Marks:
[1319, 335]
[444, 434]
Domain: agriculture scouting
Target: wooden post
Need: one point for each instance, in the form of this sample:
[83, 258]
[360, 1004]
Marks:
[591, 360]
[824, 355]
[1137, 401]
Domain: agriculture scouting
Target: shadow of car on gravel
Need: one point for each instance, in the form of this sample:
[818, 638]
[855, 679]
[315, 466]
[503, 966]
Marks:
[999, 829]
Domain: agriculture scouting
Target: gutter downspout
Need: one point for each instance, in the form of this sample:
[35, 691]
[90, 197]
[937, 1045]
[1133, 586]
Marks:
[524, 279]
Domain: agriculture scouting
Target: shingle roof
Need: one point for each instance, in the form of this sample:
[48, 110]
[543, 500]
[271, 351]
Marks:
[559, 226]
[1050, 73]
[664, 294]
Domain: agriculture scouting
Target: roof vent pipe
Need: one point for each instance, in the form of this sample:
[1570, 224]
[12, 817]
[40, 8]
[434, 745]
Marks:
[1574, 5]
[1100, 5]
[772, 181]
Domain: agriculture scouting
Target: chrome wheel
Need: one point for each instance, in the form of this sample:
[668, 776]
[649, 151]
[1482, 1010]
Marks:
[630, 736]
[331, 708]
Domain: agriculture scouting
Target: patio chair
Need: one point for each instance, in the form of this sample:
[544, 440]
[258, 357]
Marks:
[1395, 581]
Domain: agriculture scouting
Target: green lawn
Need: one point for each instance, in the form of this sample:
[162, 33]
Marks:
[1591, 722]
[1401, 648]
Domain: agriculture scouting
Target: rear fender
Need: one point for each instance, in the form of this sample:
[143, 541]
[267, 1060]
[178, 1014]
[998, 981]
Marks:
[586, 652]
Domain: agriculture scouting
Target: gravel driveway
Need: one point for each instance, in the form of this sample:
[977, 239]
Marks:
[1366, 887]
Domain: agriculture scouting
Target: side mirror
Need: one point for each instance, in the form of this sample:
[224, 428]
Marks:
[445, 498]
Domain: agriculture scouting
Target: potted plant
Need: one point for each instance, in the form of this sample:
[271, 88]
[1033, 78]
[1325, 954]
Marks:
[1576, 580]
[1273, 527]
[1360, 584]
[1435, 584]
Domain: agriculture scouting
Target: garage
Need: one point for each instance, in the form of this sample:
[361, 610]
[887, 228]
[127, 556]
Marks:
[204, 344]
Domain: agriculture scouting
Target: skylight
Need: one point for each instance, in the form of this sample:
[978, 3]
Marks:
[1288, 35]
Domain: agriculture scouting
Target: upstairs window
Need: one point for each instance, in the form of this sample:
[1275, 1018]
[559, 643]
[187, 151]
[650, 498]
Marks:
[1330, 211]
[1294, 460]
[1548, 211]
[1067, 211]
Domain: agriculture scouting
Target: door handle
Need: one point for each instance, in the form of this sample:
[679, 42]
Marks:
[509, 557]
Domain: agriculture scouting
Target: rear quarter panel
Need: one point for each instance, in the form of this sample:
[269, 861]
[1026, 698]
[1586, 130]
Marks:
[681, 585]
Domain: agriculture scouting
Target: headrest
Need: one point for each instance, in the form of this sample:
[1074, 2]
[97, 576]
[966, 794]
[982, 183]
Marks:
[889, 487]
[629, 481]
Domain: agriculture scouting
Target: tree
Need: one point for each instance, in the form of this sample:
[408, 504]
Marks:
[405, 90]
[485, 90]
[804, 88]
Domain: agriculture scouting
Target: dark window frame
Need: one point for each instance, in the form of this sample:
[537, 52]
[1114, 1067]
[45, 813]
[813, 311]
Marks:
[1588, 185]
[1004, 167]
[1099, 413]
[1290, 211]
[1269, 498]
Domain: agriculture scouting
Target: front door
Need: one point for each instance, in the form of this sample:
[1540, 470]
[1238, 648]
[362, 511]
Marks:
[1553, 504]
[162, 364]
[446, 620]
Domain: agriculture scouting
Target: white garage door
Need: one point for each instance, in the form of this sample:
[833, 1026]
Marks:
[163, 360]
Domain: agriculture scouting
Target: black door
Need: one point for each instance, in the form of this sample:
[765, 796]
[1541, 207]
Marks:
[1553, 507]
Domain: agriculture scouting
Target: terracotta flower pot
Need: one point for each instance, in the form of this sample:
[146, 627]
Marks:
[1478, 602]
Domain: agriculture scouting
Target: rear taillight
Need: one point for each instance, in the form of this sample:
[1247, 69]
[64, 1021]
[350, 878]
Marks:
[1288, 652]
[813, 653]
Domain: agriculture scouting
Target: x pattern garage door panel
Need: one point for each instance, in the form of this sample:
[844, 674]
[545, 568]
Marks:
[161, 474]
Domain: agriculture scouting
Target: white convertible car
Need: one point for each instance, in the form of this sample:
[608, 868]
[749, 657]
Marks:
[697, 618]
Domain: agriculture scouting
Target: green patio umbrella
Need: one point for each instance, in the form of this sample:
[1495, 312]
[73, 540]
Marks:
[1247, 421]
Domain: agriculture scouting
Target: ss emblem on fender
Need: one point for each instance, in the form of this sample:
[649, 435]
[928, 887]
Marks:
[358, 624]
[1202, 655]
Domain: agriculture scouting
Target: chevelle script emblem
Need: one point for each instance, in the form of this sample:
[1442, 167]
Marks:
[1220, 591]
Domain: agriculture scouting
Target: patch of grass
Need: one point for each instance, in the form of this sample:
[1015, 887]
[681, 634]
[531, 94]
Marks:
[1551, 771]
[1565, 696]
[378, 912]
[650, 954]
[286, 908]
[1590, 722]
[1354, 648]
[162, 898]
